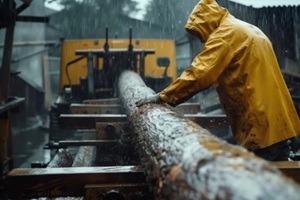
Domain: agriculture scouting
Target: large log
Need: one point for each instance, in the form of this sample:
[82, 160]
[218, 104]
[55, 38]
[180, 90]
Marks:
[184, 161]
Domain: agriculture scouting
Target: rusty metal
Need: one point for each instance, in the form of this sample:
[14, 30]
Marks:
[96, 109]
[185, 161]
[67, 182]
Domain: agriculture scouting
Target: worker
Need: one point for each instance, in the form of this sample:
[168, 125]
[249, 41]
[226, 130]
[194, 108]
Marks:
[239, 61]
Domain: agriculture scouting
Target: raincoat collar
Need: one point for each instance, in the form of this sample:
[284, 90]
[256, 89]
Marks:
[205, 18]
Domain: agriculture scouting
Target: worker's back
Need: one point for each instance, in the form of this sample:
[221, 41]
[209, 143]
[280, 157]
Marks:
[252, 89]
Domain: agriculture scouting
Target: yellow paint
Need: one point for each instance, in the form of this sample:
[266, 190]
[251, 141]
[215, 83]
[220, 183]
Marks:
[163, 48]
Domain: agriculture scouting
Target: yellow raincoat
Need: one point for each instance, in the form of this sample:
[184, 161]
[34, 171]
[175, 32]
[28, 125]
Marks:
[238, 59]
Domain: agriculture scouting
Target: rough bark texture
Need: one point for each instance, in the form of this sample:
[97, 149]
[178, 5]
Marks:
[62, 158]
[86, 154]
[184, 161]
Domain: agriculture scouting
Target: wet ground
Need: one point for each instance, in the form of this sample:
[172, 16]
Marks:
[28, 141]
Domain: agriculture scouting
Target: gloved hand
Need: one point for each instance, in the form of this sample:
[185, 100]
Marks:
[149, 99]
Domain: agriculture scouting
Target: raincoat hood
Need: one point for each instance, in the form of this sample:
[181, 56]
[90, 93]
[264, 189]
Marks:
[205, 18]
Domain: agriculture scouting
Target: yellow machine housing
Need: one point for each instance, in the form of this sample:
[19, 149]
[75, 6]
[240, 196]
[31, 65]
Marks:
[72, 73]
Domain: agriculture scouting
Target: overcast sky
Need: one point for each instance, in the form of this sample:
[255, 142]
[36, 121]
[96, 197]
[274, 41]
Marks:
[139, 15]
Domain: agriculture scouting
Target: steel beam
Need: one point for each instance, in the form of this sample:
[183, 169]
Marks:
[185, 161]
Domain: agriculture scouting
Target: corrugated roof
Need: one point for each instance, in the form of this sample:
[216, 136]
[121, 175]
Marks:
[267, 3]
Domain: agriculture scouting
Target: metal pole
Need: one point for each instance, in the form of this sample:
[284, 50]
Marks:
[6, 150]
[91, 85]
[6, 62]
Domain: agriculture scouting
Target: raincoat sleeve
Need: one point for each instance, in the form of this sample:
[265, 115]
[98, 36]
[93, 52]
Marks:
[203, 72]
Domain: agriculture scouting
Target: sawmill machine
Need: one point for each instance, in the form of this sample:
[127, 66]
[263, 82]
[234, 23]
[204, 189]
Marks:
[158, 153]
[90, 69]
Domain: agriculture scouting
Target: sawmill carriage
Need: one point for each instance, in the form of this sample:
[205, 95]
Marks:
[90, 69]
[152, 152]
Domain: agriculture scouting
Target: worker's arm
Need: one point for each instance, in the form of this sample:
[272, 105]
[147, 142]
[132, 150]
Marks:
[204, 72]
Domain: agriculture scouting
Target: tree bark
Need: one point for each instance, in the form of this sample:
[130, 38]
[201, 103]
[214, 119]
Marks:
[62, 158]
[86, 154]
[182, 160]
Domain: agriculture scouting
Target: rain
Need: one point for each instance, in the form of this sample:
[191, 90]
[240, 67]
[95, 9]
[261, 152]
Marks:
[59, 57]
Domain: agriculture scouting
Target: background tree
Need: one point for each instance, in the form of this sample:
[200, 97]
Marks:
[88, 18]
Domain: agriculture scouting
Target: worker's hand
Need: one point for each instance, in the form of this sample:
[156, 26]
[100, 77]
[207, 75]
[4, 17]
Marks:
[149, 99]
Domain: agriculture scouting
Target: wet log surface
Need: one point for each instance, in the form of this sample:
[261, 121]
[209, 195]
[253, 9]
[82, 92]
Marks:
[184, 161]
[62, 158]
[86, 154]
